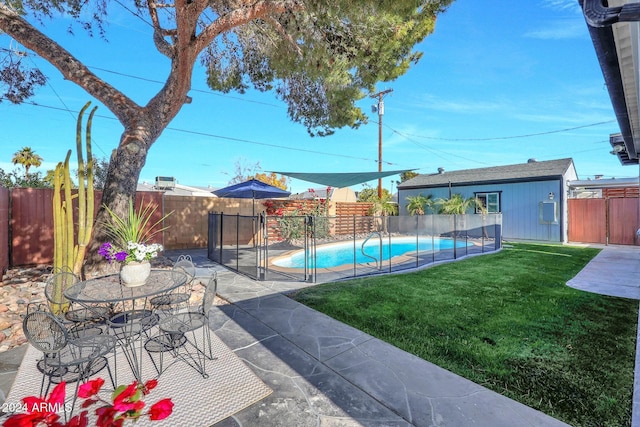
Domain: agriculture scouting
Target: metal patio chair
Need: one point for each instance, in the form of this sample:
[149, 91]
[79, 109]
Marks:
[179, 298]
[83, 318]
[64, 358]
[178, 333]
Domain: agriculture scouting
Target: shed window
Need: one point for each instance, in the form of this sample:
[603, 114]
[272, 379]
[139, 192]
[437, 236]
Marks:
[491, 201]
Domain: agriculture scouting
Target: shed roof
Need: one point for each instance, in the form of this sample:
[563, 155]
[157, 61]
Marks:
[530, 171]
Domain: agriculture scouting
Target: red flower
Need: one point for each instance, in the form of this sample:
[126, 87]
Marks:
[127, 404]
[90, 388]
[128, 399]
[40, 410]
[149, 385]
[161, 410]
[31, 419]
[105, 417]
[80, 420]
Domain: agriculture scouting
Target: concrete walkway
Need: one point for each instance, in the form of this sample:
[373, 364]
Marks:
[615, 271]
[325, 373]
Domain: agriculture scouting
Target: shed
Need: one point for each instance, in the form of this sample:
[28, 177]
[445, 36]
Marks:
[532, 196]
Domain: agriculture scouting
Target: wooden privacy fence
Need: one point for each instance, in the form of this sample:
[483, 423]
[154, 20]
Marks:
[26, 220]
[31, 223]
[4, 230]
[608, 221]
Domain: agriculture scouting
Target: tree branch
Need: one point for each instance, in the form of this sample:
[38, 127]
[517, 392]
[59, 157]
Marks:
[159, 34]
[284, 34]
[238, 17]
[70, 67]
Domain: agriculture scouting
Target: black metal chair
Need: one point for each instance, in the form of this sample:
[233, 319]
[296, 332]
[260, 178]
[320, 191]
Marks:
[84, 318]
[178, 333]
[64, 358]
[179, 298]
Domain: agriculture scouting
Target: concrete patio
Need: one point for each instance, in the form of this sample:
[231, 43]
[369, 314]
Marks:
[323, 372]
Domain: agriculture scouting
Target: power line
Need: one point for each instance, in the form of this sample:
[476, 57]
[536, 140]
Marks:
[227, 138]
[498, 138]
[208, 92]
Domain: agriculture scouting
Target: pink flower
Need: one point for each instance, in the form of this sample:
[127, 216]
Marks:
[128, 399]
[161, 409]
[90, 388]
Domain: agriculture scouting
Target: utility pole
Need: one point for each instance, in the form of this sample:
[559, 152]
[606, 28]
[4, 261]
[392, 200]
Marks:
[380, 109]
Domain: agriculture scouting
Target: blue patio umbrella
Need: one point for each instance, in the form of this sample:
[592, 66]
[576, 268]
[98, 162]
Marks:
[251, 189]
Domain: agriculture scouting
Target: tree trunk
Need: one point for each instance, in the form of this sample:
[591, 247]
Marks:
[125, 166]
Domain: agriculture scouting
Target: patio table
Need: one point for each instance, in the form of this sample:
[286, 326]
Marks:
[132, 316]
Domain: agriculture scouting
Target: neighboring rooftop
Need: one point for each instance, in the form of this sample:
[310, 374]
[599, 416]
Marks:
[532, 170]
[170, 186]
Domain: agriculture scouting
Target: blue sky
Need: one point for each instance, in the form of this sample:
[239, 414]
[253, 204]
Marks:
[500, 82]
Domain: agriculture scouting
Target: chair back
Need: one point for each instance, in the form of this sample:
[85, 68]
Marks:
[44, 331]
[210, 293]
[54, 290]
[56, 284]
[187, 266]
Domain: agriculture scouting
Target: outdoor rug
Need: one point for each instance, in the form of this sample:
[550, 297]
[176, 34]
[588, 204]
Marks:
[231, 387]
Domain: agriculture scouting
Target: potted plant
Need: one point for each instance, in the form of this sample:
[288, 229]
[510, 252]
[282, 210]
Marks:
[129, 245]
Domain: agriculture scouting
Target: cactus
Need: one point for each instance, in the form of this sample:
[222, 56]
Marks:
[69, 252]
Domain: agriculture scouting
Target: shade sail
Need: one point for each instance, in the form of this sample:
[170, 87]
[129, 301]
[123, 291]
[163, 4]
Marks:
[251, 189]
[340, 179]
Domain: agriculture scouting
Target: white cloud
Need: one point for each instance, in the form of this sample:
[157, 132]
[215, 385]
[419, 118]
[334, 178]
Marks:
[457, 106]
[560, 29]
[564, 5]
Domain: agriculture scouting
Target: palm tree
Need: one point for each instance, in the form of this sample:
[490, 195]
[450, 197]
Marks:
[418, 205]
[382, 206]
[27, 158]
[458, 205]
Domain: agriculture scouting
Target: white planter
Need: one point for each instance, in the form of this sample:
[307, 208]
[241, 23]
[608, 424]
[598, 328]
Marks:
[135, 273]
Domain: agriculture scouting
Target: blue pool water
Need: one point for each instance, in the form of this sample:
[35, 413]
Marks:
[336, 255]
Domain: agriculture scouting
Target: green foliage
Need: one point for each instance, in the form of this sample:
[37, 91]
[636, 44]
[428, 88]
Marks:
[458, 205]
[136, 227]
[331, 55]
[509, 322]
[382, 206]
[370, 195]
[406, 176]
[15, 179]
[292, 225]
[26, 157]
[418, 205]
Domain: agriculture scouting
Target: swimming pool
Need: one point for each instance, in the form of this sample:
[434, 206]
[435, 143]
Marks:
[339, 254]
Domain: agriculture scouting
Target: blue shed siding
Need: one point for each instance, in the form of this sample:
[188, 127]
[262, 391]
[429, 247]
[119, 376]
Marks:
[519, 203]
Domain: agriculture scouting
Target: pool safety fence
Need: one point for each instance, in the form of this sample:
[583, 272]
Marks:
[326, 248]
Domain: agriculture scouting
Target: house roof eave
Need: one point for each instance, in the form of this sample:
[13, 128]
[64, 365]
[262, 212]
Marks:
[615, 46]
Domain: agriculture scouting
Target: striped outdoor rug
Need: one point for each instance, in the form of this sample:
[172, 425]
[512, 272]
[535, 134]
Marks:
[231, 387]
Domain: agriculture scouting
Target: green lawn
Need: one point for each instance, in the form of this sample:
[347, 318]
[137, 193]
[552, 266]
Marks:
[506, 321]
